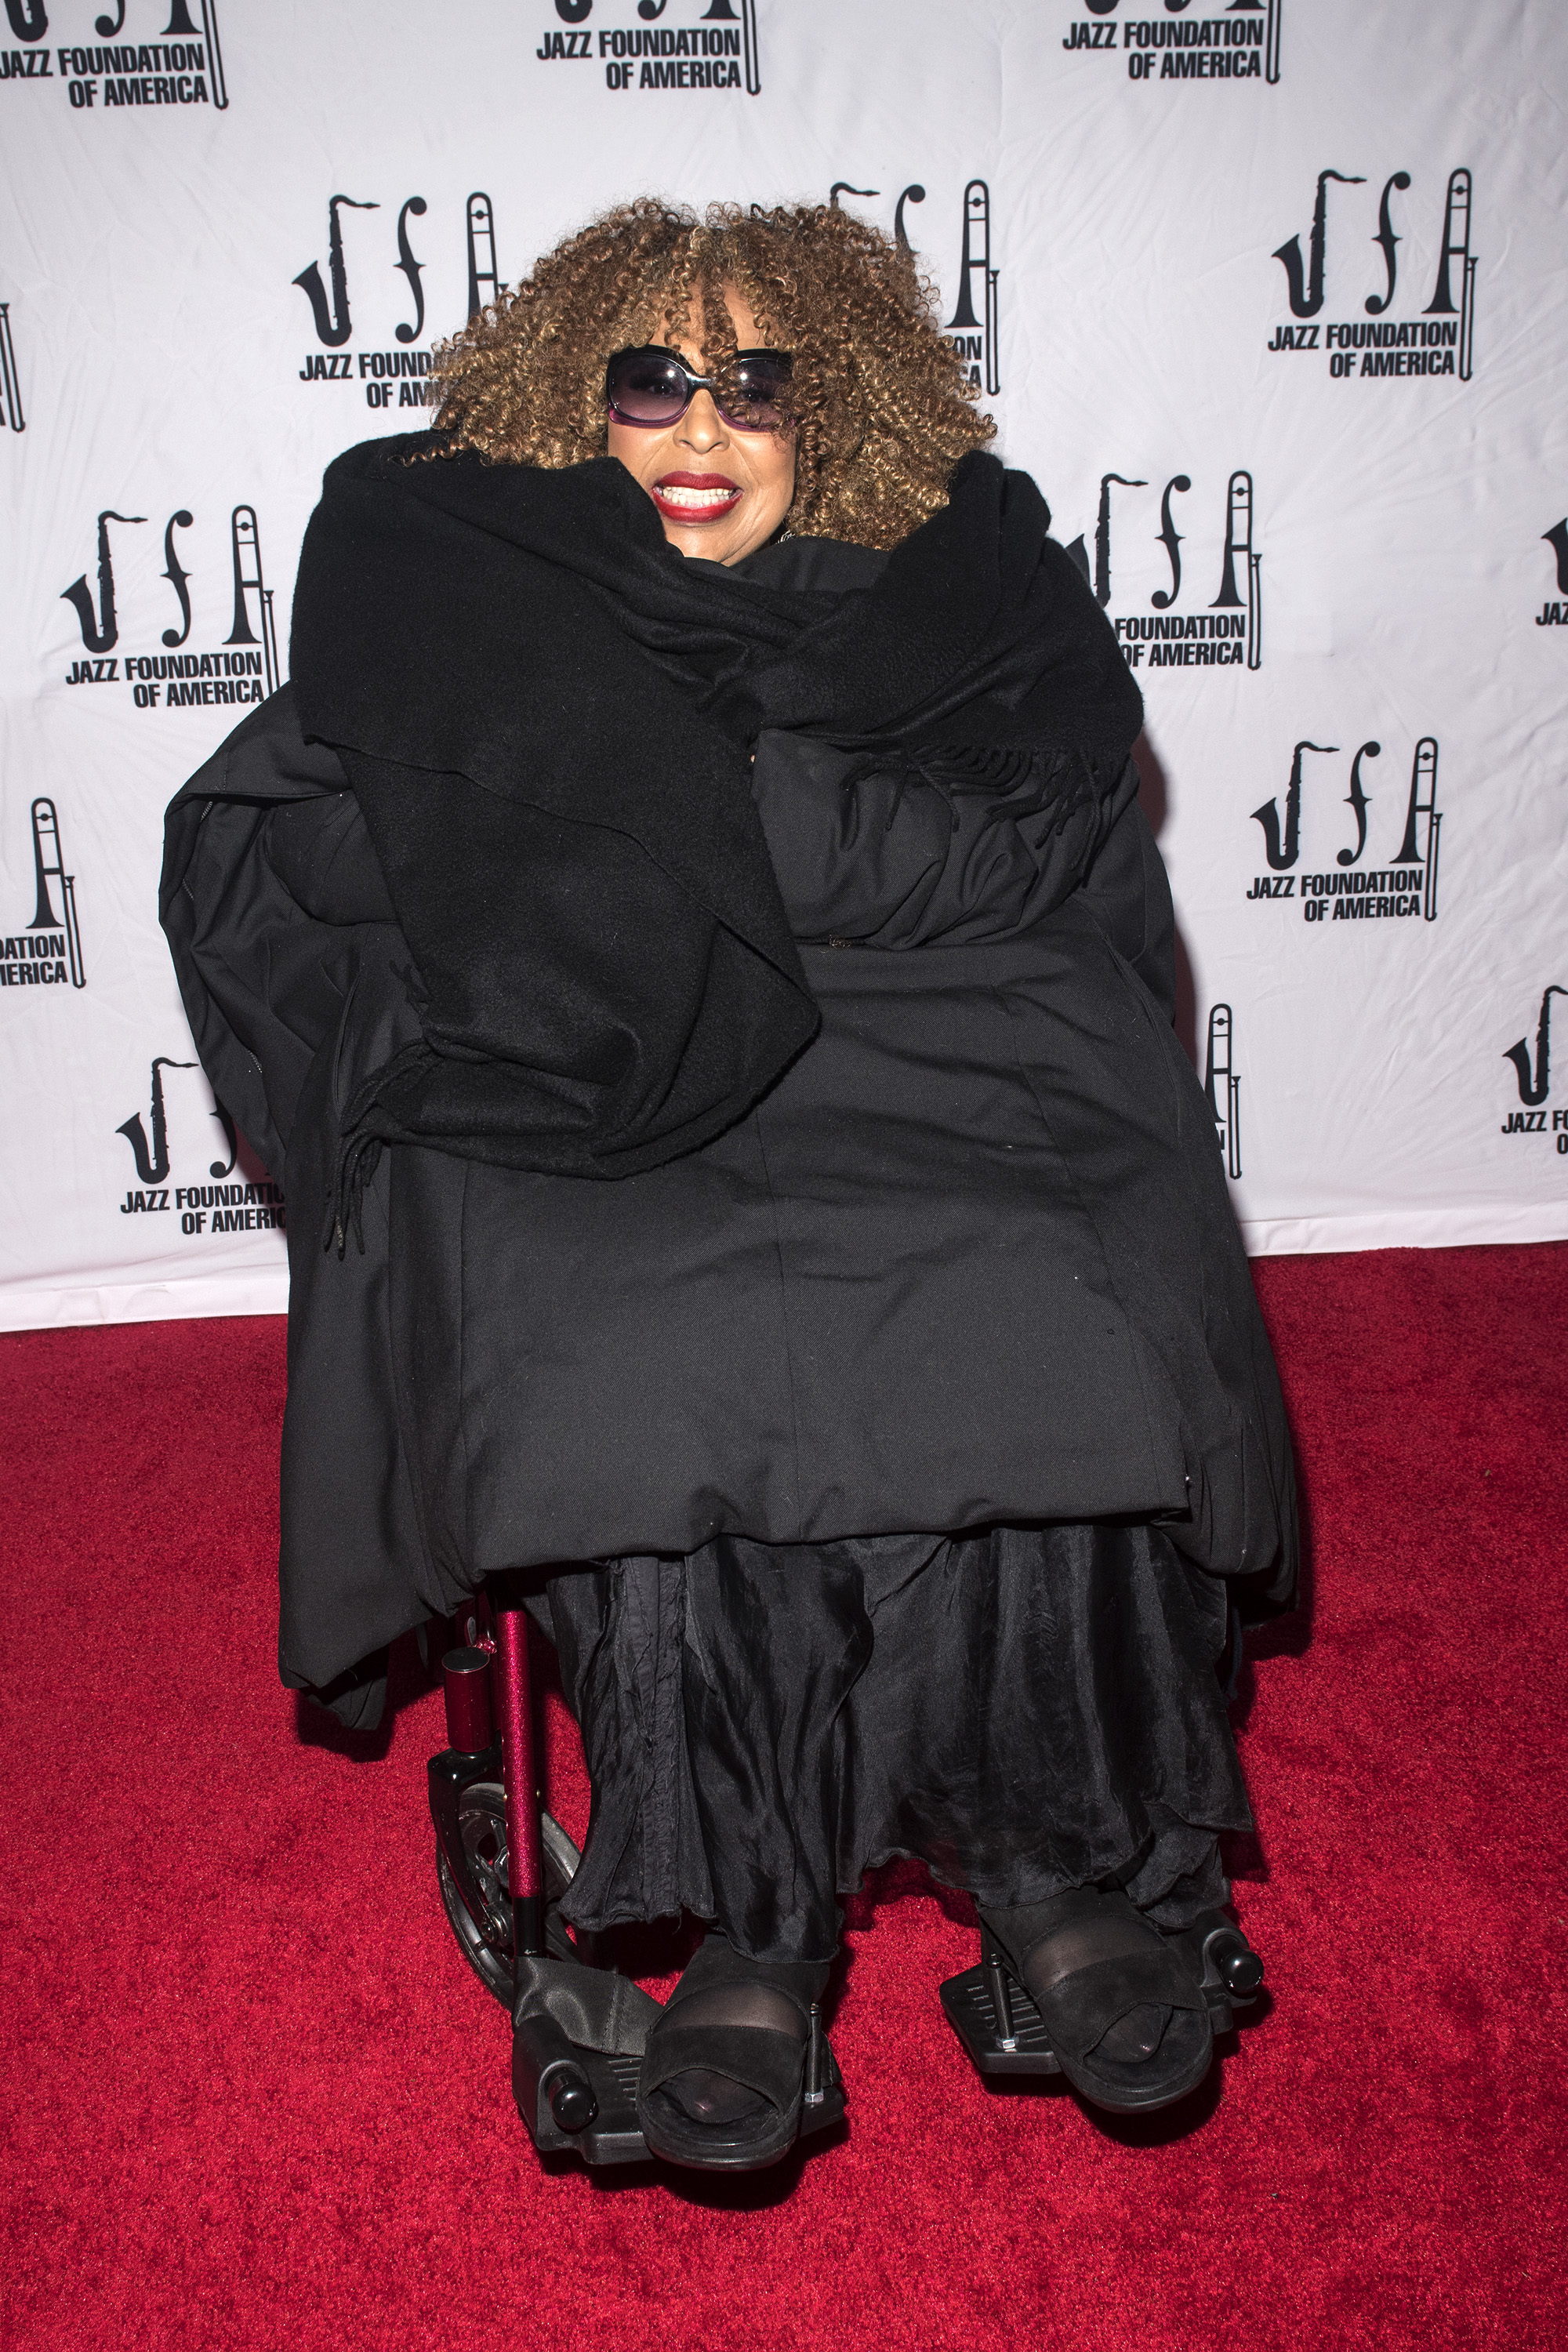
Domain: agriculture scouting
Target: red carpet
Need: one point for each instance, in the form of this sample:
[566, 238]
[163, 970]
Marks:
[256, 2098]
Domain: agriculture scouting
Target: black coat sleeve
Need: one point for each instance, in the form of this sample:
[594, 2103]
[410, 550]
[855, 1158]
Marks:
[295, 978]
[949, 845]
[269, 883]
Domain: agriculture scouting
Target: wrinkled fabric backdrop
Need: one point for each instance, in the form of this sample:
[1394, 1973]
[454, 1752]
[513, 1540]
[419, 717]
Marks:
[1270, 300]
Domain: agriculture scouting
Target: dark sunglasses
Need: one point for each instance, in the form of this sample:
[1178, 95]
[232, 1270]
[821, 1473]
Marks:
[651, 386]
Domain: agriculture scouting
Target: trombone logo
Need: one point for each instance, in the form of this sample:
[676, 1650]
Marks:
[1438, 338]
[972, 328]
[1175, 624]
[1239, 41]
[47, 954]
[393, 376]
[1532, 1075]
[183, 66]
[244, 670]
[1221, 1084]
[174, 1138]
[1403, 888]
[701, 44]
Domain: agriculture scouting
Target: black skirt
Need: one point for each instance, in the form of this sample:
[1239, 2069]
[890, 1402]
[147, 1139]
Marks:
[1024, 1710]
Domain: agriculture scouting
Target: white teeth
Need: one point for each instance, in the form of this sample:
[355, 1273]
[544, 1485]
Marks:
[678, 495]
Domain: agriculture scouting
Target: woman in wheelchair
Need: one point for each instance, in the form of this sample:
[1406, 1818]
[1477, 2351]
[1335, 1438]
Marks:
[687, 939]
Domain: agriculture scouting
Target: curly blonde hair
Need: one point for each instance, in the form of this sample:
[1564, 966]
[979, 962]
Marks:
[877, 400]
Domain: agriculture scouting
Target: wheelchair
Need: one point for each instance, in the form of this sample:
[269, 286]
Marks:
[579, 2027]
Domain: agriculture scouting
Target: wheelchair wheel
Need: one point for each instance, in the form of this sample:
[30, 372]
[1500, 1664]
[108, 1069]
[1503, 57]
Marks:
[482, 1821]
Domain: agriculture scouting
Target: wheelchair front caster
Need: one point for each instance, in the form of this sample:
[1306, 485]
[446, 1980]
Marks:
[467, 1805]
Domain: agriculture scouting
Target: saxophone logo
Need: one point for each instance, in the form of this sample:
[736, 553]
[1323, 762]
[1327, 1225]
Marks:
[972, 328]
[1532, 1075]
[47, 954]
[1221, 1084]
[1439, 339]
[700, 44]
[174, 1138]
[243, 670]
[181, 66]
[1222, 632]
[1402, 889]
[1238, 41]
[393, 376]
[1553, 614]
[10, 382]
[100, 621]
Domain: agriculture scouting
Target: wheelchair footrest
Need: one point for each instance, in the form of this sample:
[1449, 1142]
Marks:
[1004, 2032]
[997, 2022]
[612, 2137]
[578, 2035]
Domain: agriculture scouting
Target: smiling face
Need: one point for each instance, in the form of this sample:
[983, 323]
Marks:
[719, 490]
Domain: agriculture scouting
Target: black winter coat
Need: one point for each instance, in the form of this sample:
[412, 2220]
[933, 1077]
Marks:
[971, 1259]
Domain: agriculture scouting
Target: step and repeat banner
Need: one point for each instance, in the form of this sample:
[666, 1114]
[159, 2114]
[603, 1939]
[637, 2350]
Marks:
[1269, 300]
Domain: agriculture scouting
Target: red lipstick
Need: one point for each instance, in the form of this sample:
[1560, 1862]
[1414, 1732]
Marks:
[709, 496]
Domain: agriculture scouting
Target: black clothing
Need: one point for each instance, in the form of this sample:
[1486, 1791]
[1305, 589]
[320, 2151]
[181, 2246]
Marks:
[520, 678]
[969, 1262]
[1024, 1710]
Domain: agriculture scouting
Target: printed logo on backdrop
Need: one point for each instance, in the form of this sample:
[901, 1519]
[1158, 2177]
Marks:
[1553, 614]
[1238, 41]
[1183, 628]
[714, 48]
[224, 1203]
[47, 954]
[1433, 337]
[389, 378]
[10, 382]
[1221, 1084]
[182, 65]
[1533, 1074]
[244, 669]
[972, 328]
[1299, 844]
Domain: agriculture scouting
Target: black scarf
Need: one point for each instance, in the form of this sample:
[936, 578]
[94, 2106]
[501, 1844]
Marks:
[547, 716]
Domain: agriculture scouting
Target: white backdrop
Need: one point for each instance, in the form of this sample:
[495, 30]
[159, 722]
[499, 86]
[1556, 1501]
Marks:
[1309, 430]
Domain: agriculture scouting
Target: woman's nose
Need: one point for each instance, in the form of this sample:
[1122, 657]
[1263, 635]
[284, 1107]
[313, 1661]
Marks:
[701, 428]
